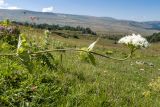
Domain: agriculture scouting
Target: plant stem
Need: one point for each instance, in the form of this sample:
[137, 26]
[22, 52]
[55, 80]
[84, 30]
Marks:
[105, 56]
[72, 49]
[95, 53]
[8, 54]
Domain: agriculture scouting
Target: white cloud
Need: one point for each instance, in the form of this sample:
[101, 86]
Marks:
[13, 8]
[1, 2]
[4, 5]
[48, 9]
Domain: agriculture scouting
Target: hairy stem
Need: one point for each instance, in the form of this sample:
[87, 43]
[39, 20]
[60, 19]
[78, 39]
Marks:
[95, 53]
[72, 49]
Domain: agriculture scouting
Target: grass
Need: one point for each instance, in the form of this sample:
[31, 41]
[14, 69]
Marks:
[78, 84]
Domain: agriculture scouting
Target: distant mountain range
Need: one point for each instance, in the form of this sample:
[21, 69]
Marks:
[104, 25]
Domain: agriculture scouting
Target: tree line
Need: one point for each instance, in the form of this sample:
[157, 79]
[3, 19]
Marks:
[57, 27]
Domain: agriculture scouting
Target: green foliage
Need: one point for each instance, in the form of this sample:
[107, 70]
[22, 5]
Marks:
[48, 60]
[5, 47]
[59, 45]
[87, 56]
[45, 59]
[23, 52]
[58, 27]
[154, 38]
[91, 58]
[9, 33]
[25, 49]
[19, 89]
[5, 22]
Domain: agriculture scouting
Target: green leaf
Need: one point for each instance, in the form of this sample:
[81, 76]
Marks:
[83, 56]
[87, 56]
[91, 58]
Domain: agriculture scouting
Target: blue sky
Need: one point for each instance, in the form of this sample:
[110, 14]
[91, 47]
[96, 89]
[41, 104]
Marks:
[139, 10]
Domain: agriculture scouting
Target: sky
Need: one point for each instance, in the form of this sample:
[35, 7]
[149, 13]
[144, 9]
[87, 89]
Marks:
[137, 10]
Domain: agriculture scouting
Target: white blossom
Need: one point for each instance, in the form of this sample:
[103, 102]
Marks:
[134, 40]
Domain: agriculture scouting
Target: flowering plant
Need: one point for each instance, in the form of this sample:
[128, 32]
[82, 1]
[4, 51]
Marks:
[134, 42]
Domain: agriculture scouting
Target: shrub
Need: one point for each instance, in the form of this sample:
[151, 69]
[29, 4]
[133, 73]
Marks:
[9, 34]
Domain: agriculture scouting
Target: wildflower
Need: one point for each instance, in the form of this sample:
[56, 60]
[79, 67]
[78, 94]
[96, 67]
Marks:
[134, 41]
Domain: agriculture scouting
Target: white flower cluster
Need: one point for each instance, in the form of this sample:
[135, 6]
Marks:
[135, 40]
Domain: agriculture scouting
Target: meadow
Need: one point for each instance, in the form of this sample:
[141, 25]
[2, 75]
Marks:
[70, 82]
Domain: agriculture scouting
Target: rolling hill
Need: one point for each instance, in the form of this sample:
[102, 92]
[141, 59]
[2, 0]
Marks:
[103, 25]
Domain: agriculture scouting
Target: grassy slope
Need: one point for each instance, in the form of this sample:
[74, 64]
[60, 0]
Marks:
[75, 83]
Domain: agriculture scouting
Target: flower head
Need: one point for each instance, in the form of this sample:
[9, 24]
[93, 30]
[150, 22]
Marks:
[134, 40]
